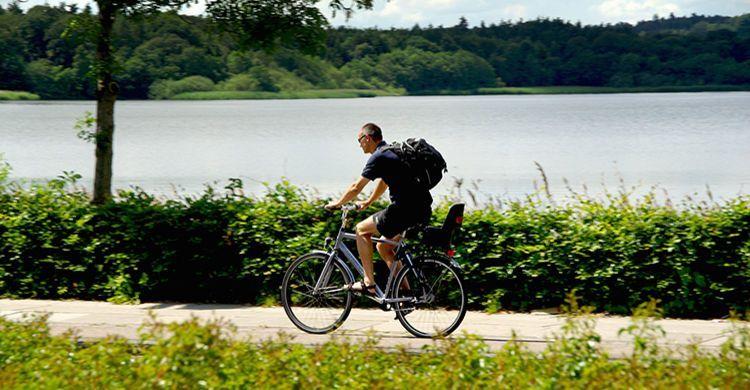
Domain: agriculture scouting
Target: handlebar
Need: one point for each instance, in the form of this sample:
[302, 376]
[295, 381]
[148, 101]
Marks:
[346, 207]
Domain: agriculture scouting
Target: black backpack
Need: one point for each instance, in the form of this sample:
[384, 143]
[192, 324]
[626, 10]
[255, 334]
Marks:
[424, 161]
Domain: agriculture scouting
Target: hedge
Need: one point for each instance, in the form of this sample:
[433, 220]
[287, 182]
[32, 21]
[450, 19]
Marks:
[223, 246]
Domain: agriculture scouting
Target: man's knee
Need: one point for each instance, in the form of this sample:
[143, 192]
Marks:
[362, 230]
[383, 247]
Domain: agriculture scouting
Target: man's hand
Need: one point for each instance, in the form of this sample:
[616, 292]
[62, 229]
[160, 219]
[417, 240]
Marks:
[332, 205]
[361, 205]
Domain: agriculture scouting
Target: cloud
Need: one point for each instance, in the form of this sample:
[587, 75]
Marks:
[634, 10]
[515, 11]
[412, 10]
[405, 13]
[393, 9]
[444, 12]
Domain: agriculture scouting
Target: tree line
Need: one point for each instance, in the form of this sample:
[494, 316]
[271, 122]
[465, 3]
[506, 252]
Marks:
[163, 54]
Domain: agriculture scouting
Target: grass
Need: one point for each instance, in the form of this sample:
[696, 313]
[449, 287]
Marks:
[360, 93]
[307, 94]
[555, 90]
[18, 95]
[209, 354]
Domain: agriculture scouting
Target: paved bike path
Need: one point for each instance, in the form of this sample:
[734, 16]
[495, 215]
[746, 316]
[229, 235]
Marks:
[95, 320]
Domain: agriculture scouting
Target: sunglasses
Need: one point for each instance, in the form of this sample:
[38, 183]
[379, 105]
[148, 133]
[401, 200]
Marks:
[359, 140]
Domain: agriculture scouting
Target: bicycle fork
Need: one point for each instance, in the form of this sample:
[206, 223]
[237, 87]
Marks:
[325, 277]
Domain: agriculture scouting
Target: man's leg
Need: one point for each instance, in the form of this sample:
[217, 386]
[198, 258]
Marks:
[365, 230]
[388, 253]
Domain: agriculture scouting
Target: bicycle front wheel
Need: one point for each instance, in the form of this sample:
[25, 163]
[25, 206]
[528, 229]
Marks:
[316, 311]
[438, 300]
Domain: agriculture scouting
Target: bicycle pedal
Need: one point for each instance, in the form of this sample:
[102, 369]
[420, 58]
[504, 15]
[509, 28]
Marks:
[406, 312]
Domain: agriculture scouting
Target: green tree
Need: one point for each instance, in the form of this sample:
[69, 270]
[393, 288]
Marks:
[418, 70]
[469, 71]
[12, 67]
[463, 24]
[421, 43]
[255, 23]
[743, 28]
[52, 81]
[310, 68]
[164, 57]
[34, 27]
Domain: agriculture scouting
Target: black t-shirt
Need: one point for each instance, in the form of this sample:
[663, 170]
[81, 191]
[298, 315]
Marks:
[385, 164]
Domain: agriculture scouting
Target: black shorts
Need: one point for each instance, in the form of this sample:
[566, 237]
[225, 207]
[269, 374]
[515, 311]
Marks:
[396, 218]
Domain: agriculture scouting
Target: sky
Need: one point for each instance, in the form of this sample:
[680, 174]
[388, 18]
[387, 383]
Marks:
[407, 13]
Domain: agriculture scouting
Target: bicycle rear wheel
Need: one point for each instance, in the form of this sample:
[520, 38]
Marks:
[321, 311]
[438, 299]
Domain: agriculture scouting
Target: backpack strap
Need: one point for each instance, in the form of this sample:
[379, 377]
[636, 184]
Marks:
[395, 147]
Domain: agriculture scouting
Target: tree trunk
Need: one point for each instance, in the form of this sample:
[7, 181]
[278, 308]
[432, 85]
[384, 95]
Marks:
[106, 95]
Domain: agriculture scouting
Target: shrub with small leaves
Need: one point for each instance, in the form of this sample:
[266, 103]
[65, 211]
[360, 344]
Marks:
[223, 246]
[209, 354]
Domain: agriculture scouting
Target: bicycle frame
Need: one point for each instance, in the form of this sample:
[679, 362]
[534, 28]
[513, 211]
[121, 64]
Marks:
[340, 248]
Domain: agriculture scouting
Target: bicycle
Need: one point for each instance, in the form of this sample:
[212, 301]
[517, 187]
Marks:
[426, 292]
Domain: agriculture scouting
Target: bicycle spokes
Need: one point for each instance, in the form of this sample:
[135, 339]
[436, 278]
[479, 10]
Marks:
[316, 310]
[438, 302]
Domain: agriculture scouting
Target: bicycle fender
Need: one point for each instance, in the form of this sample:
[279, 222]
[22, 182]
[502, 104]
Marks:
[451, 261]
[315, 252]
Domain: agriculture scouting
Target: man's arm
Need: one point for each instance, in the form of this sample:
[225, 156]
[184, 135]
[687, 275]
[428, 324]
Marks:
[351, 193]
[380, 188]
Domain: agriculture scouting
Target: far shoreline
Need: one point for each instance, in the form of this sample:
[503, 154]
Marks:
[369, 93]
[584, 90]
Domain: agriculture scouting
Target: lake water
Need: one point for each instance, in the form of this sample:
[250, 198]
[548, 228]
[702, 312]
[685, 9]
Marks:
[680, 142]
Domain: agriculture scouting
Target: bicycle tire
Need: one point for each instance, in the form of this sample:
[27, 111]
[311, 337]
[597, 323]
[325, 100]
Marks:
[444, 314]
[296, 288]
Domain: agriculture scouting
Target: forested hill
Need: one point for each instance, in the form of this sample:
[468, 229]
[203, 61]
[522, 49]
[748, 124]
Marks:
[167, 54]
[696, 24]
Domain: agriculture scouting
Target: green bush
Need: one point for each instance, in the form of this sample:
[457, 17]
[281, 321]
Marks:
[265, 79]
[18, 95]
[239, 82]
[281, 79]
[695, 258]
[312, 69]
[196, 354]
[165, 89]
[221, 246]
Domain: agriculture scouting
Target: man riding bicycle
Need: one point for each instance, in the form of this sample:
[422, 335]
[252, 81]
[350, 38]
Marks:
[410, 202]
[317, 289]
